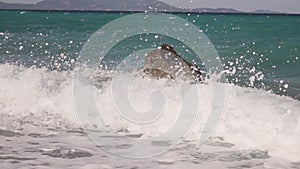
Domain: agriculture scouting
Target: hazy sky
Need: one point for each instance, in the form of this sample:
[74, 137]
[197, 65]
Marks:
[21, 1]
[291, 6]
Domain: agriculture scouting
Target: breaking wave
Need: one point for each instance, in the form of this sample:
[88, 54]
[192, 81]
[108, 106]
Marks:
[252, 118]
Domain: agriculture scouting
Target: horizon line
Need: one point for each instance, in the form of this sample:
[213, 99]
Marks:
[158, 11]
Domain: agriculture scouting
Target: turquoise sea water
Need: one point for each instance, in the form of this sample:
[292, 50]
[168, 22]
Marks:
[263, 51]
[47, 115]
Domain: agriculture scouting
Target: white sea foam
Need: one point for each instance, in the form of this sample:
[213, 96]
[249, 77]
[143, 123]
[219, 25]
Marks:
[36, 95]
[252, 119]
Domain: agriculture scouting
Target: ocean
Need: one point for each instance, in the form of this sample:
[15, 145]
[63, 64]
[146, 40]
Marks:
[48, 121]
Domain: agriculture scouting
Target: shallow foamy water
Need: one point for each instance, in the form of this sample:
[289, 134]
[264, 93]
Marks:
[40, 129]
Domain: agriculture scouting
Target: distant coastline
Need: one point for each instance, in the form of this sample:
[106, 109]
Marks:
[121, 6]
[137, 11]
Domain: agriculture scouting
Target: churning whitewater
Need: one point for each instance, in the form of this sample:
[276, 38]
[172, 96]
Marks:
[37, 109]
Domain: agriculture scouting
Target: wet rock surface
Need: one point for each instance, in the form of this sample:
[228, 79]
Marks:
[164, 62]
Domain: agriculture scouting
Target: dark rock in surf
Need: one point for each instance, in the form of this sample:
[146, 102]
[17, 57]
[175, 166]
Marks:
[166, 63]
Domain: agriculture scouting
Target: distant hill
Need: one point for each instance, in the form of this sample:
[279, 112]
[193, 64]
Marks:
[264, 11]
[14, 6]
[217, 10]
[94, 5]
[115, 5]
